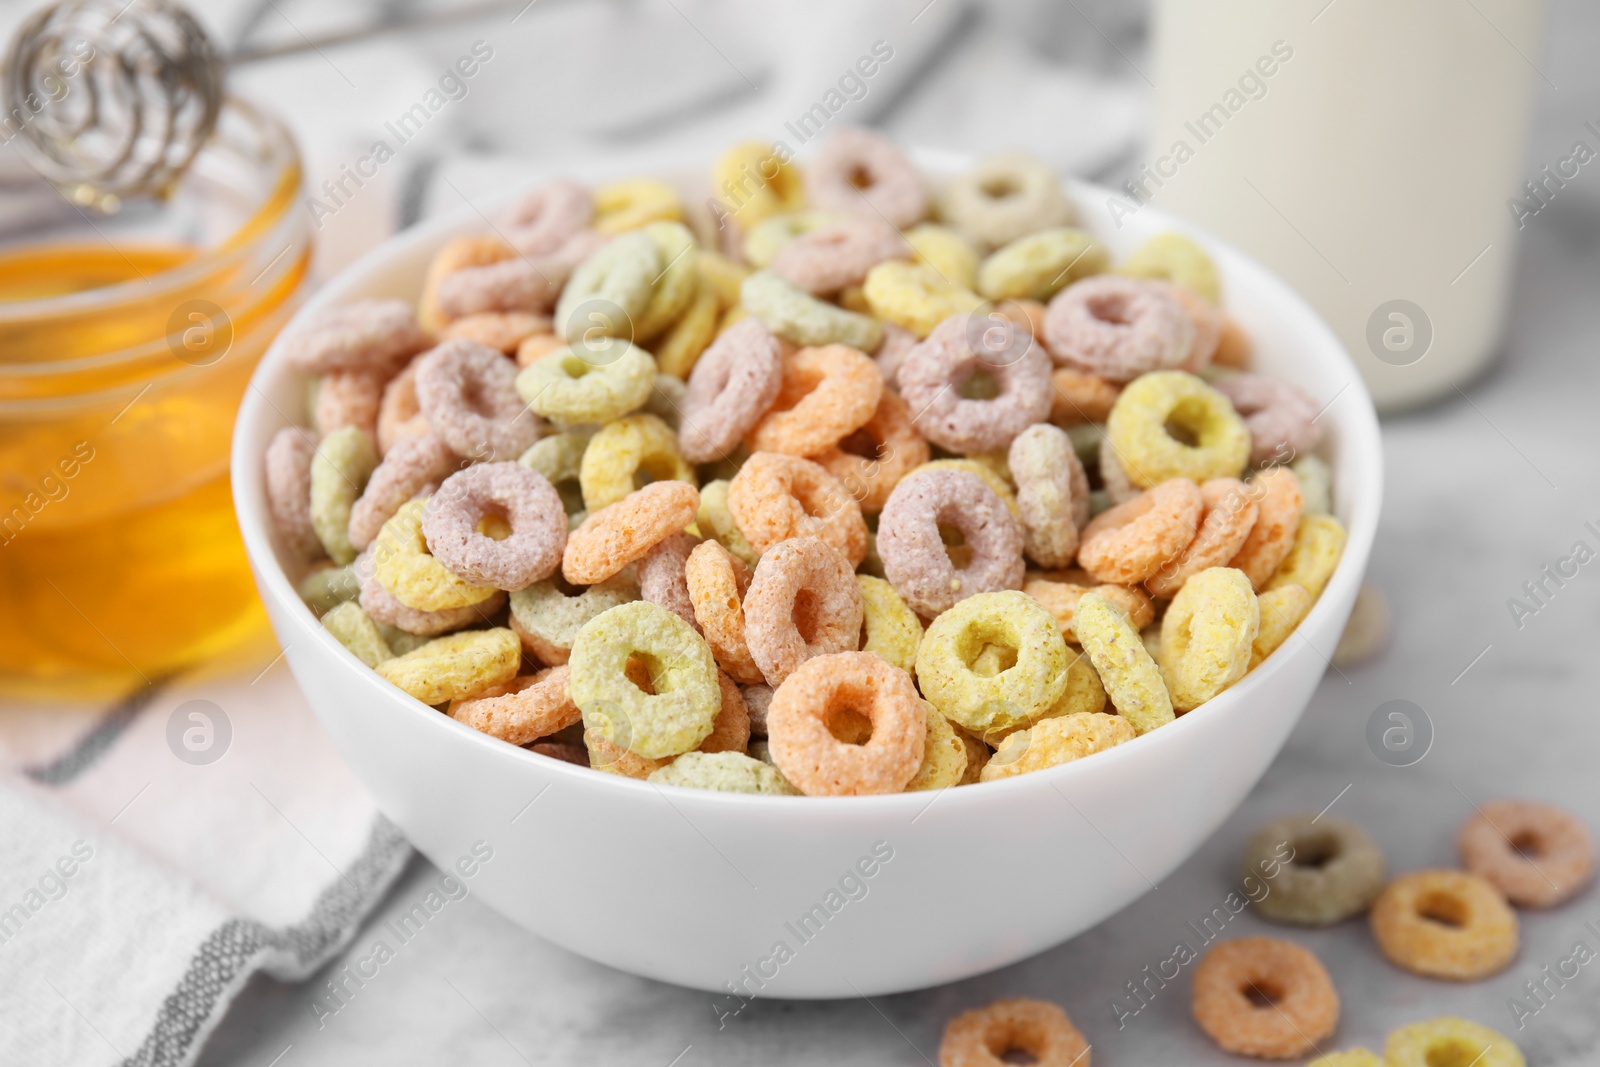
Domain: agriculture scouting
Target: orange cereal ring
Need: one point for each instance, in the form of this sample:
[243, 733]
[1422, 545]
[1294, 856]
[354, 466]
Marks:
[348, 398]
[1258, 996]
[1278, 507]
[399, 415]
[805, 748]
[827, 393]
[536, 346]
[871, 461]
[503, 331]
[1228, 517]
[1132, 541]
[522, 710]
[1445, 924]
[717, 581]
[991, 1035]
[1233, 347]
[803, 602]
[730, 730]
[621, 533]
[1061, 600]
[1081, 398]
[774, 497]
[1538, 855]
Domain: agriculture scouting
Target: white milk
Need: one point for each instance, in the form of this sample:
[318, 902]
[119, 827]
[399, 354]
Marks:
[1366, 150]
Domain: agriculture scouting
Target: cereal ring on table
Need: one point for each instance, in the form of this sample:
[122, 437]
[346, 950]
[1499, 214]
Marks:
[1172, 257]
[633, 203]
[915, 297]
[944, 754]
[1039, 265]
[399, 415]
[1016, 696]
[1228, 516]
[679, 349]
[1538, 855]
[1279, 416]
[985, 471]
[327, 586]
[287, 467]
[1282, 611]
[802, 603]
[413, 464]
[1209, 322]
[1060, 599]
[1278, 506]
[1207, 635]
[866, 173]
[871, 461]
[548, 215]
[469, 396]
[915, 560]
[1053, 741]
[723, 772]
[609, 291]
[766, 239]
[984, 1036]
[1133, 541]
[559, 458]
[1258, 996]
[455, 667]
[800, 719]
[892, 352]
[673, 289]
[374, 336]
[1356, 1057]
[948, 253]
[387, 610]
[1153, 407]
[661, 578]
[522, 710]
[775, 497]
[619, 534]
[1318, 544]
[515, 284]
[503, 331]
[1334, 869]
[1003, 198]
[355, 630]
[347, 398]
[732, 385]
[1129, 673]
[892, 630]
[826, 394]
[756, 181]
[791, 312]
[715, 521]
[933, 374]
[1449, 1041]
[403, 565]
[1445, 924]
[1052, 493]
[687, 698]
[547, 618]
[716, 581]
[521, 499]
[1117, 328]
[839, 255]
[588, 383]
[340, 467]
[625, 451]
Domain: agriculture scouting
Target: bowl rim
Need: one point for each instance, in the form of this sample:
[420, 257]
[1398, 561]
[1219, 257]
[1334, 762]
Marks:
[1359, 433]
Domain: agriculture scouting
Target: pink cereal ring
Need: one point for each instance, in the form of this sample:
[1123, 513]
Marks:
[348, 398]
[662, 580]
[817, 762]
[1133, 541]
[732, 385]
[913, 552]
[828, 392]
[834, 257]
[399, 416]
[868, 174]
[774, 497]
[803, 602]
[383, 606]
[932, 374]
[509, 285]
[897, 343]
[522, 497]
[468, 393]
[548, 215]
[369, 335]
[1280, 417]
[407, 468]
[623, 533]
[1117, 328]
[288, 477]
[1229, 515]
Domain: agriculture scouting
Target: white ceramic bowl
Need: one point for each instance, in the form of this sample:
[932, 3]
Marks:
[821, 897]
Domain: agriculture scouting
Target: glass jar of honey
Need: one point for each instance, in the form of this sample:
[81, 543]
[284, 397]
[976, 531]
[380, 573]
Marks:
[126, 344]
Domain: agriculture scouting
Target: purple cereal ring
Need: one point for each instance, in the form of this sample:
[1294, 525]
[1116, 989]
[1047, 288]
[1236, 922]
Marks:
[868, 174]
[1281, 418]
[661, 579]
[468, 393]
[1117, 328]
[932, 374]
[732, 385]
[914, 557]
[803, 601]
[509, 285]
[548, 215]
[369, 335]
[523, 499]
[897, 342]
[348, 398]
[288, 477]
[410, 466]
[382, 605]
[834, 257]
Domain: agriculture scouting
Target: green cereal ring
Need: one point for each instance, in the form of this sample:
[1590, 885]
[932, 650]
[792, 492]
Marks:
[403, 565]
[1138, 430]
[1318, 544]
[343, 462]
[548, 619]
[1175, 258]
[914, 296]
[951, 255]
[1130, 676]
[356, 631]
[769, 236]
[724, 772]
[1316, 484]
[616, 283]
[1040, 265]
[675, 286]
[595, 382]
[716, 522]
[893, 629]
[401, 641]
[1334, 869]
[327, 588]
[1207, 635]
[627, 454]
[944, 755]
[789, 311]
[1017, 695]
[1446, 1041]
[681, 711]
[559, 458]
[456, 667]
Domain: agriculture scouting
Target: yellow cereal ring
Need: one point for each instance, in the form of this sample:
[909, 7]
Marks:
[731, 316]
[680, 348]
[755, 181]
[1318, 544]
[355, 630]
[634, 203]
[1130, 676]
[1207, 635]
[1040, 265]
[673, 289]
[624, 450]
[1149, 454]
[893, 629]
[978, 755]
[456, 667]
[770, 236]
[987, 472]
[1018, 695]
[340, 467]
[914, 296]
[1084, 694]
[1175, 258]
[600, 380]
[720, 275]
[1447, 1041]
[1356, 1057]
[724, 772]
[1054, 741]
[949, 254]
[402, 564]
[944, 755]
[1282, 610]
[716, 522]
